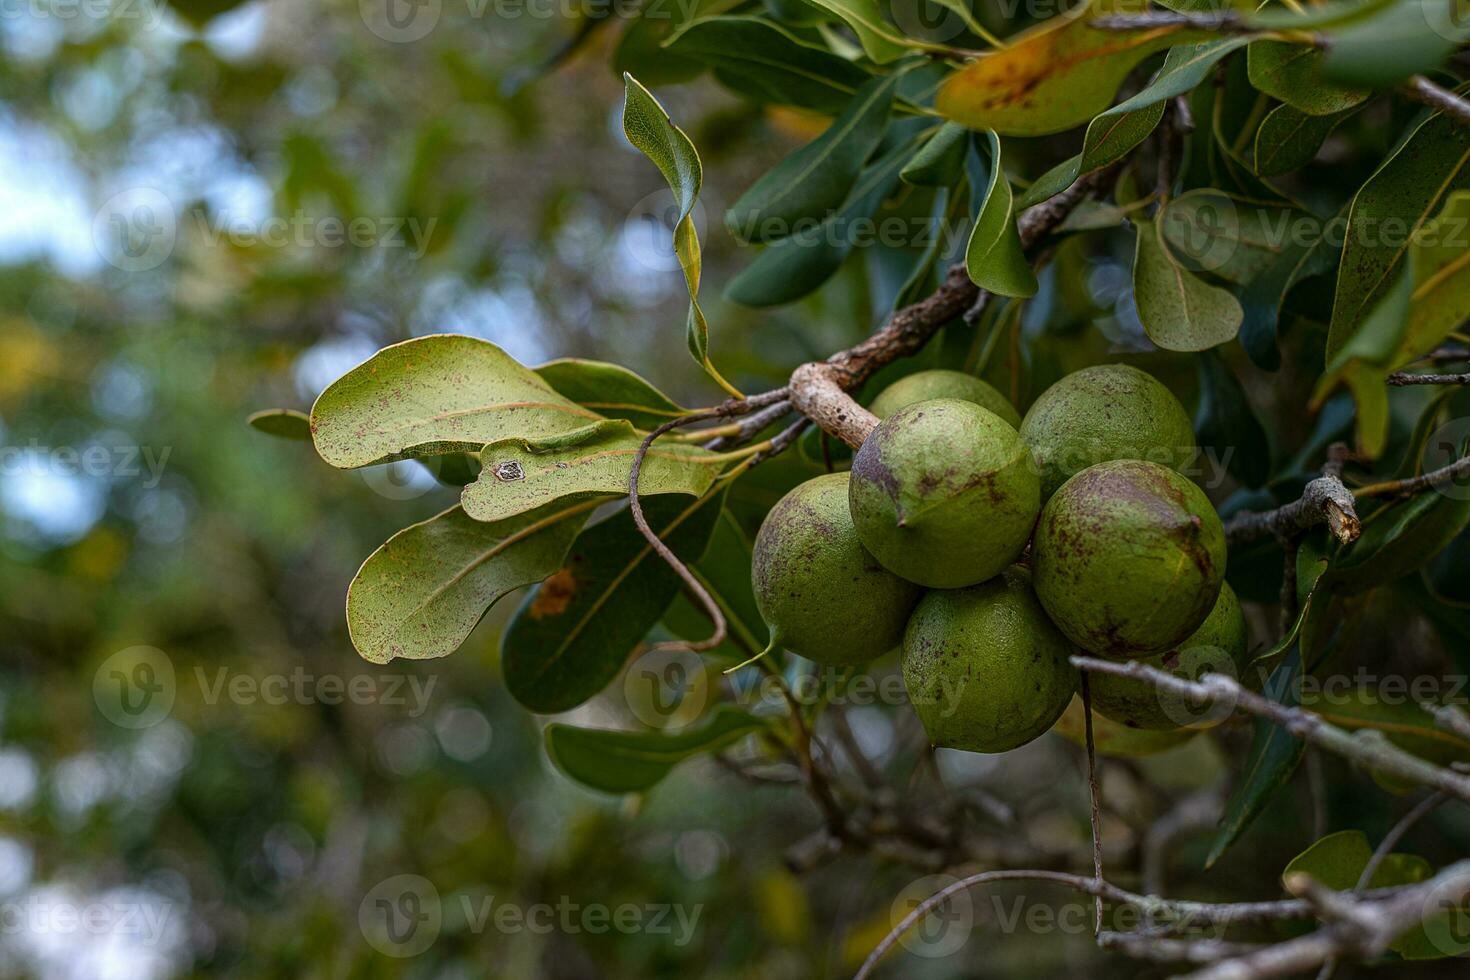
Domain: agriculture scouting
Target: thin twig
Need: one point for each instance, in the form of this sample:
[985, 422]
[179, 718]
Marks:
[1402, 379]
[1432, 480]
[1219, 913]
[751, 426]
[1367, 746]
[1392, 838]
[730, 409]
[1421, 89]
[1094, 795]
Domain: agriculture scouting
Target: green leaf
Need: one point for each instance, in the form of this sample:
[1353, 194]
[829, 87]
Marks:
[1338, 861]
[1292, 73]
[1179, 311]
[881, 41]
[1211, 231]
[1273, 757]
[1054, 76]
[809, 184]
[994, 257]
[516, 476]
[940, 162]
[654, 134]
[641, 52]
[283, 423]
[1388, 709]
[633, 762]
[432, 395]
[611, 390]
[1402, 39]
[796, 265]
[1226, 424]
[1387, 215]
[1399, 539]
[421, 593]
[765, 62]
[1289, 139]
[1428, 300]
[1110, 136]
[1113, 134]
[575, 631]
[1261, 299]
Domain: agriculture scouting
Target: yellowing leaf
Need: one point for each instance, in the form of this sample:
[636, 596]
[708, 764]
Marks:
[1053, 77]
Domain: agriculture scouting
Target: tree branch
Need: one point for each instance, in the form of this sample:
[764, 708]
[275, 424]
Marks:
[1401, 379]
[819, 390]
[1325, 500]
[1366, 747]
[1421, 89]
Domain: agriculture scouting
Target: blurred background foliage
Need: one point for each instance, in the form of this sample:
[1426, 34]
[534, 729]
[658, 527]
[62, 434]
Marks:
[501, 207]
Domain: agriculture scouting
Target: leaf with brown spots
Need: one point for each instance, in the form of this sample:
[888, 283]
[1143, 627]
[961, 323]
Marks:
[440, 394]
[516, 477]
[611, 590]
[1055, 76]
[421, 593]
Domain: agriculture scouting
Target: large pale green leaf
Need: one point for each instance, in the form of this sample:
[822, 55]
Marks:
[432, 395]
[764, 61]
[796, 265]
[633, 762]
[1388, 213]
[993, 257]
[809, 184]
[1440, 258]
[1292, 73]
[1053, 77]
[1289, 139]
[421, 593]
[517, 476]
[1338, 860]
[611, 390]
[1178, 310]
[654, 134]
[575, 631]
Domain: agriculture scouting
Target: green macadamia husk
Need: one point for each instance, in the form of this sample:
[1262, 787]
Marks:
[1128, 557]
[820, 591]
[1111, 411]
[923, 386]
[944, 493]
[1218, 646]
[985, 669]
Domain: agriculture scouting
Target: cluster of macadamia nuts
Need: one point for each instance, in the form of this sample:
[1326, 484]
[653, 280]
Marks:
[924, 544]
